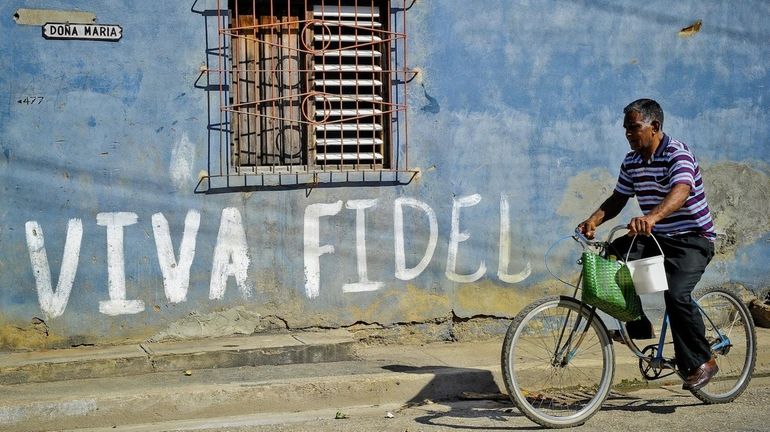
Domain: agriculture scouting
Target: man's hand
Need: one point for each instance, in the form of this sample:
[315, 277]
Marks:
[641, 225]
[610, 208]
[587, 228]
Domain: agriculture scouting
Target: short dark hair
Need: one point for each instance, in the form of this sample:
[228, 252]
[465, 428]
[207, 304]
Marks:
[648, 108]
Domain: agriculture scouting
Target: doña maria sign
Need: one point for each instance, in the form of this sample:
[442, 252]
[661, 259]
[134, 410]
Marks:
[103, 32]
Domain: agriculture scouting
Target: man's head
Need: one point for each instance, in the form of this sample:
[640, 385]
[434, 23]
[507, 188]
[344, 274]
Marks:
[648, 108]
[643, 123]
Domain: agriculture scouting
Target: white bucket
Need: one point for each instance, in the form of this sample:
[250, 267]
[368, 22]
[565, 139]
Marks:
[649, 274]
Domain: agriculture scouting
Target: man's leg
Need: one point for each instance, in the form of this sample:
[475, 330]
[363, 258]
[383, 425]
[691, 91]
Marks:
[686, 260]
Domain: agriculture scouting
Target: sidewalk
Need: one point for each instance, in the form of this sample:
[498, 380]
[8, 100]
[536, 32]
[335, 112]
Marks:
[111, 386]
[126, 360]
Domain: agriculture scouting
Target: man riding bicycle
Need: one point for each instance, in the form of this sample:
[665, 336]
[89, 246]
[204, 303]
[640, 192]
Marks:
[666, 179]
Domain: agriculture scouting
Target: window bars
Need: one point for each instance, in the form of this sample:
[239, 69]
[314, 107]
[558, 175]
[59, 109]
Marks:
[311, 86]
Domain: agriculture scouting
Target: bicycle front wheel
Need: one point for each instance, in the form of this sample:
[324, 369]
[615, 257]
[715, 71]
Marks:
[558, 362]
[730, 331]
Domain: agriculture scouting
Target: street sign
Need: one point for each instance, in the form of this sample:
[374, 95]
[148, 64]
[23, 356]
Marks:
[98, 32]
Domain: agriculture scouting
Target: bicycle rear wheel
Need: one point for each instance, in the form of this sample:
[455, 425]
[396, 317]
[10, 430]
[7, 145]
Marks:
[730, 330]
[558, 362]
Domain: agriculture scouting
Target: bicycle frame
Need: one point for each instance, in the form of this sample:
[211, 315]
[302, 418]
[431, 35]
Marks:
[658, 360]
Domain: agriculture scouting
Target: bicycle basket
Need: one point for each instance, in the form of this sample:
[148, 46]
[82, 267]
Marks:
[607, 284]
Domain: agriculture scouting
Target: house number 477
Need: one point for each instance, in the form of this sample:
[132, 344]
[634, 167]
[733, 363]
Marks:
[31, 100]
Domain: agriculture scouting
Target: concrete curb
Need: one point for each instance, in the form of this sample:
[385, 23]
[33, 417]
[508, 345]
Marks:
[99, 362]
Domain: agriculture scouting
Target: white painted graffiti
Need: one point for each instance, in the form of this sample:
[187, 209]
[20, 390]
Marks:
[176, 275]
[231, 253]
[53, 303]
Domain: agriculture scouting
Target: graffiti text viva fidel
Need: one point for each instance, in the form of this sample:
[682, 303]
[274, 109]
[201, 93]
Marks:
[231, 253]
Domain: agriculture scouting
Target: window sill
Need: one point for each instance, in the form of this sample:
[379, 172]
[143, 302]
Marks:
[286, 180]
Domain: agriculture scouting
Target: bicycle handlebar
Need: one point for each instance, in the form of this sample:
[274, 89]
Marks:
[585, 241]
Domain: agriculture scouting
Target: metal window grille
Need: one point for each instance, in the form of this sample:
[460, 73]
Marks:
[312, 86]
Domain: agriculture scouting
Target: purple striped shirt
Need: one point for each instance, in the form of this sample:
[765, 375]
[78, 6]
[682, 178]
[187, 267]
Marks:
[672, 164]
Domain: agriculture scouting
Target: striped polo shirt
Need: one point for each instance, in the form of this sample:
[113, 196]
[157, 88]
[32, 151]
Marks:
[672, 164]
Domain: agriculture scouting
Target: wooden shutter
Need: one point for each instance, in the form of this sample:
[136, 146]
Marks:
[349, 77]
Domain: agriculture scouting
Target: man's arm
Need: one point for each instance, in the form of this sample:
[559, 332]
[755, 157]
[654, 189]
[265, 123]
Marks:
[671, 203]
[610, 208]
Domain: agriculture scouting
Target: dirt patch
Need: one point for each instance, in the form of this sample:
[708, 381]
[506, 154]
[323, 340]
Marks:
[585, 192]
[34, 336]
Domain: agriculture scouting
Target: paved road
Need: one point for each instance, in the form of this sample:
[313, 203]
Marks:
[651, 409]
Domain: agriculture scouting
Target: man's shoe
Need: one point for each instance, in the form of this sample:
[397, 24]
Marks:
[616, 336]
[701, 376]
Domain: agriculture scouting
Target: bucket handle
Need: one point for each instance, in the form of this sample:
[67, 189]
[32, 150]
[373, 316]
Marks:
[632, 245]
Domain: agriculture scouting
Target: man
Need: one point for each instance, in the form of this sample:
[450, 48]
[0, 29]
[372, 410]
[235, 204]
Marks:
[666, 179]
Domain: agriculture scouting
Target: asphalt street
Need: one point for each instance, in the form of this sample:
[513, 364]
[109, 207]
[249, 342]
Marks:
[653, 408]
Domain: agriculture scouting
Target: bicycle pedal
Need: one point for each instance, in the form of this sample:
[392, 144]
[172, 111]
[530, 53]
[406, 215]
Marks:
[668, 364]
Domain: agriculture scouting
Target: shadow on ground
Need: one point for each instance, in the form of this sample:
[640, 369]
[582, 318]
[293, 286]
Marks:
[472, 394]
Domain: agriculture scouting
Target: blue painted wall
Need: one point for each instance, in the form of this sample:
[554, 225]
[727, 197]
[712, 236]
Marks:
[517, 102]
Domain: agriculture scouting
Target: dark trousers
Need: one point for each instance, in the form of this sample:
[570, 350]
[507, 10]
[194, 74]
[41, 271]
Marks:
[686, 259]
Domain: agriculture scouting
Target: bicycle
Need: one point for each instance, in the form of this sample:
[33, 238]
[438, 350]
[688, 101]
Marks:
[558, 359]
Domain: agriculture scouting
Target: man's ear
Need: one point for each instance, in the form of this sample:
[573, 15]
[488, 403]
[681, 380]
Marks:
[655, 126]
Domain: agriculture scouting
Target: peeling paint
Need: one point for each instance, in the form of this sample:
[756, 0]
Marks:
[493, 300]
[691, 30]
[35, 335]
[38, 17]
[414, 304]
[182, 162]
[228, 322]
[585, 192]
[739, 198]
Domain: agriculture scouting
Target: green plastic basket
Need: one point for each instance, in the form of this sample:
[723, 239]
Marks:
[607, 284]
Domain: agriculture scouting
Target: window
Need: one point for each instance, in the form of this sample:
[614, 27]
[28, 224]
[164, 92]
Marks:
[308, 86]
